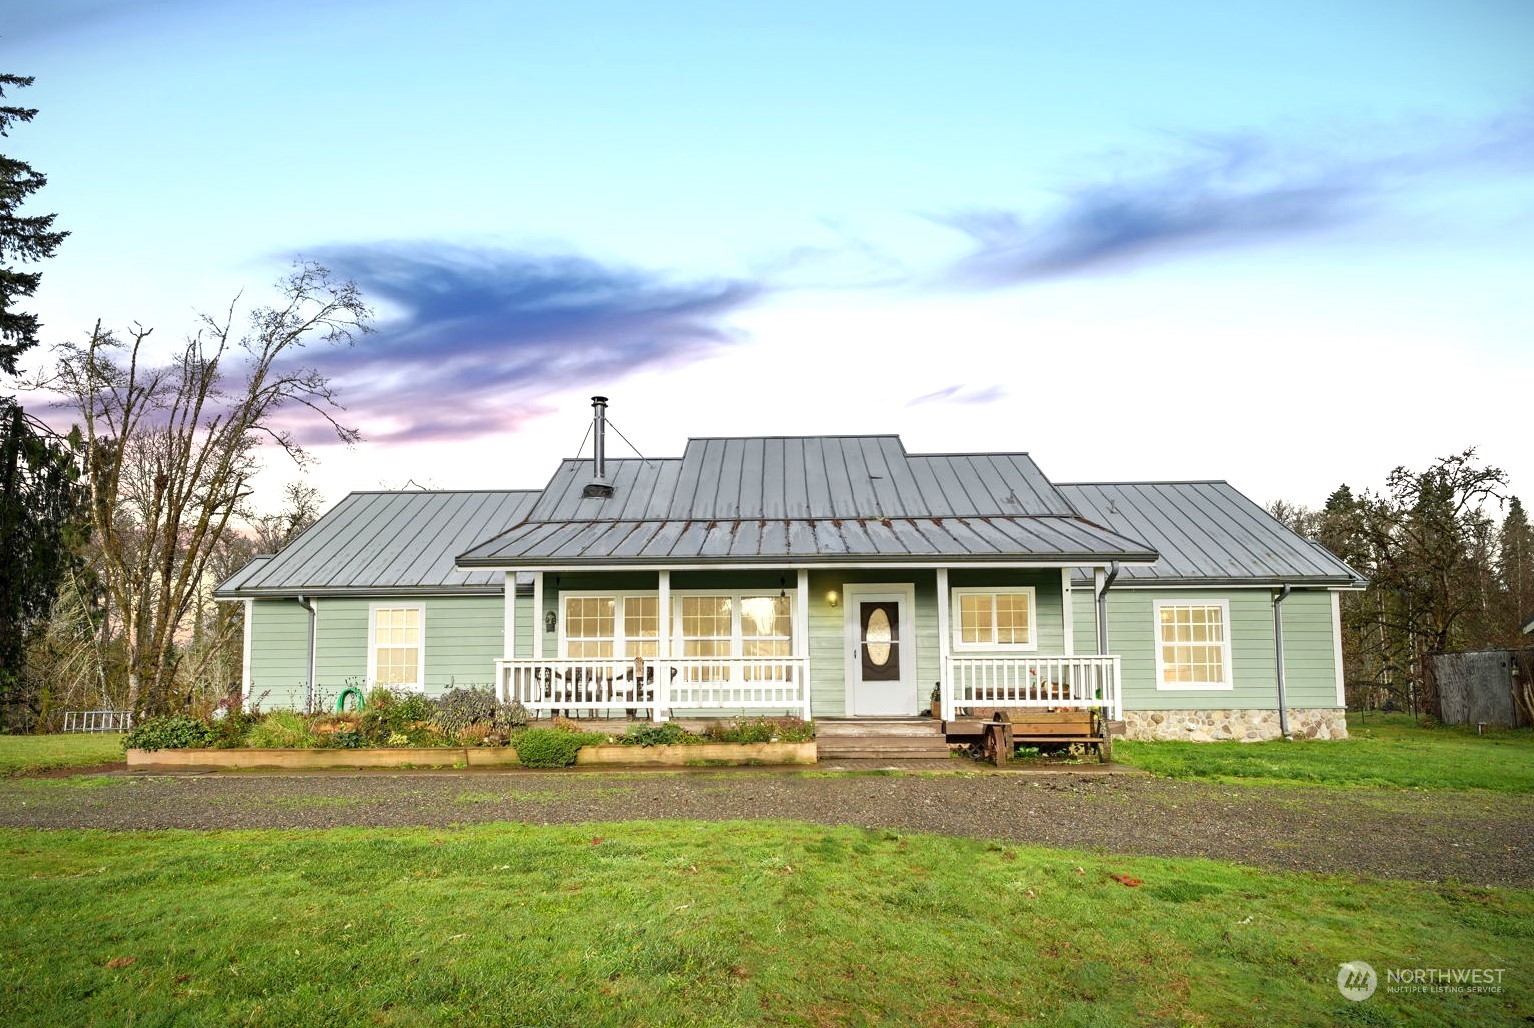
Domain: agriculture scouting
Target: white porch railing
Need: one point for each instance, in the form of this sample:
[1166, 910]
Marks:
[658, 685]
[1032, 681]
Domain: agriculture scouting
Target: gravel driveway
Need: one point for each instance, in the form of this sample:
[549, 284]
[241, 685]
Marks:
[1477, 838]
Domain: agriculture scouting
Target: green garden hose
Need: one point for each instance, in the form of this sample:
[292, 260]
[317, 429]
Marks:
[350, 690]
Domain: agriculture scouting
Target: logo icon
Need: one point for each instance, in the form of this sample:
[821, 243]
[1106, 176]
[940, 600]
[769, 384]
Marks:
[1356, 980]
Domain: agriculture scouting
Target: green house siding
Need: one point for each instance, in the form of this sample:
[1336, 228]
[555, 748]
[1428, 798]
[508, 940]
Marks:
[463, 639]
[279, 653]
[1309, 660]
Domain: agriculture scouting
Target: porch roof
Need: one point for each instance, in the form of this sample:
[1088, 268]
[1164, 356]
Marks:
[807, 541]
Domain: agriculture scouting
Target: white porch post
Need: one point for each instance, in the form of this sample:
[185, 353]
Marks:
[537, 615]
[1068, 612]
[801, 645]
[509, 650]
[944, 643]
[509, 628]
[662, 709]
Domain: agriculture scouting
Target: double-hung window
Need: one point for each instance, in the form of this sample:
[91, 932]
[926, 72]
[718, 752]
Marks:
[995, 619]
[1193, 644]
[396, 650]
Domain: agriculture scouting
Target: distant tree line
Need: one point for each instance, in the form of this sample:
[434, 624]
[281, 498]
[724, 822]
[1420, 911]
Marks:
[1444, 573]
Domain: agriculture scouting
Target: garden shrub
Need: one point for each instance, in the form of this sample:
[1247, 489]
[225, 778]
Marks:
[460, 707]
[667, 734]
[281, 729]
[228, 732]
[391, 713]
[168, 732]
[477, 734]
[509, 716]
[762, 729]
[553, 747]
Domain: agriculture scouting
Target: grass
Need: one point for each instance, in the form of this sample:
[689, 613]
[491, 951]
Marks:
[24, 754]
[1388, 750]
[686, 923]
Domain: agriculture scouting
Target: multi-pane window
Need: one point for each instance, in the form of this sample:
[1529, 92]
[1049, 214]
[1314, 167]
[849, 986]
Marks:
[641, 626]
[766, 630]
[723, 625]
[589, 625]
[994, 618]
[396, 647]
[1193, 645]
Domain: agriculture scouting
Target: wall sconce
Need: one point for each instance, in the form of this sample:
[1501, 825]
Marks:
[833, 598]
[551, 621]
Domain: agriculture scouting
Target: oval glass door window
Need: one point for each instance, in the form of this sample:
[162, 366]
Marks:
[877, 638]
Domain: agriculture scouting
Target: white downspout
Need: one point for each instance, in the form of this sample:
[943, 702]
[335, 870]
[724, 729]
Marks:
[308, 605]
[1278, 656]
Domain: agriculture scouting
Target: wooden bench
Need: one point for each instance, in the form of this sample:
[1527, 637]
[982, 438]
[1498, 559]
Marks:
[1004, 729]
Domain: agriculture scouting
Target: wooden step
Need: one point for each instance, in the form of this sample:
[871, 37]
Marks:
[922, 728]
[882, 747]
[880, 753]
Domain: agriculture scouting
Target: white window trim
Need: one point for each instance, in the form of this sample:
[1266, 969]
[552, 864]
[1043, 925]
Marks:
[1192, 601]
[674, 622]
[737, 637]
[420, 666]
[957, 627]
[620, 638]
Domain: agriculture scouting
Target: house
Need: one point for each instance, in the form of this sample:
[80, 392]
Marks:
[824, 576]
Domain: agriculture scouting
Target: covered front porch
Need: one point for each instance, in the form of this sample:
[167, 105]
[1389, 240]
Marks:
[819, 642]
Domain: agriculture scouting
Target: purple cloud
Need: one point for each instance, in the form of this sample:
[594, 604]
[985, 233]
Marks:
[961, 394]
[1225, 192]
[473, 337]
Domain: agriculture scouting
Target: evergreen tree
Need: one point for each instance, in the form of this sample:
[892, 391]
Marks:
[21, 238]
[39, 480]
[1515, 572]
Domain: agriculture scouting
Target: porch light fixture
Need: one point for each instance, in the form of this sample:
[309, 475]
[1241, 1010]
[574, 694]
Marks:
[551, 621]
[782, 588]
[833, 598]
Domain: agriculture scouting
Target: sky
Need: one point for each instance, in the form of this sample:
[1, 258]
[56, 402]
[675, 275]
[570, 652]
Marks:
[1289, 244]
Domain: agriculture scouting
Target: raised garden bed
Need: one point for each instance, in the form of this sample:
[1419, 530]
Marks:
[394, 756]
[473, 756]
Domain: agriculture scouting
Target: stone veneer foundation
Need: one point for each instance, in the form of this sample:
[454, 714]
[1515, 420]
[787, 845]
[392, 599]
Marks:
[1238, 725]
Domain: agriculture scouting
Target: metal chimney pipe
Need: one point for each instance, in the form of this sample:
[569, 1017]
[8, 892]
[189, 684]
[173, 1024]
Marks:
[599, 437]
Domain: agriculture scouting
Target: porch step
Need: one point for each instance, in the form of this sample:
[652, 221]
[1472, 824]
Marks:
[911, 727]
[893, 739]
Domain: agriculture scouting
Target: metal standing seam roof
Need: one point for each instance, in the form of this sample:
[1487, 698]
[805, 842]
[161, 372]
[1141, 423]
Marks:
[806, 541]
[383, 543]
[1207, 533]
[805, 500]
[803, 477]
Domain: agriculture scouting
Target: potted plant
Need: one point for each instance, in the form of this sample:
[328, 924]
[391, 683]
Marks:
[937, 699]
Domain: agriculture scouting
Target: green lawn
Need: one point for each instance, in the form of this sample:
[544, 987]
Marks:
[1384, 750]
[20, 754]
[685, 923]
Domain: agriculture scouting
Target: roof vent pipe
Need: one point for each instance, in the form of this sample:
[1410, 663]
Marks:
[598, 437]
[598, 487]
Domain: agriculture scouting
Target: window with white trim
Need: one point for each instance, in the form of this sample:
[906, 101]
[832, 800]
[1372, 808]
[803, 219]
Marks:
[995, 619]
[590, 622]
[1193, 644]
[396, 652]
[599, 626]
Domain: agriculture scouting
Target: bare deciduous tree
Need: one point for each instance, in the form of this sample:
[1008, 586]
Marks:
[171, 451]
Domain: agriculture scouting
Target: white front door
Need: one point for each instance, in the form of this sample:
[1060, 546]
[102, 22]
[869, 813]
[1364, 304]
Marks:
[881, 661]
